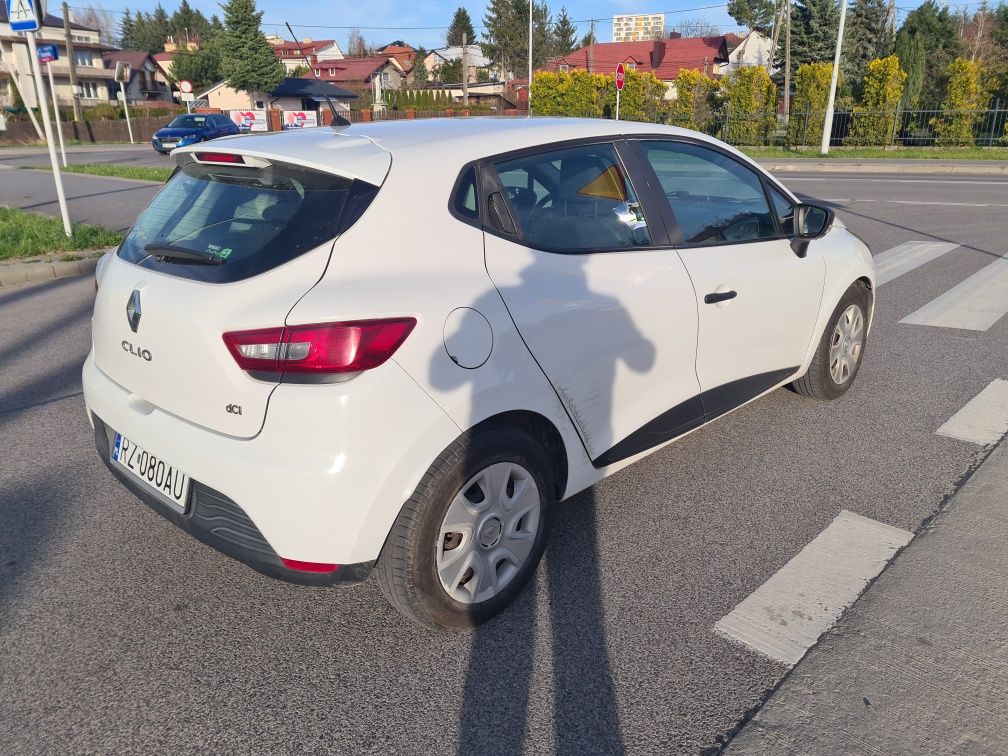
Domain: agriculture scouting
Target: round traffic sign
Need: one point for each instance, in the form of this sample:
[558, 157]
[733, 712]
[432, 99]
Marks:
[620, 76]
[185, 86]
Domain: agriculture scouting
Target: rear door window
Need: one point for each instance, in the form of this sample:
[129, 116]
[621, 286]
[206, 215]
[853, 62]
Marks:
[574, 200]
[224, 223]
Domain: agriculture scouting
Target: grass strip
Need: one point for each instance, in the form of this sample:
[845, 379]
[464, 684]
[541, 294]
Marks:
[26, 234]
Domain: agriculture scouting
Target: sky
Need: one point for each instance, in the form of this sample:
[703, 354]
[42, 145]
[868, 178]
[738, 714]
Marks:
[382, 21]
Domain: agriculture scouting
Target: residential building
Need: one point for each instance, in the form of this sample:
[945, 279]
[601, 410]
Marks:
[754, 49]
[662, 57]
[292, 94]
[166, 58]
[293, 54]
[365, 73]
[147, 80]
[436, 58]
[636, 28]
[402, 52]
[88, 49]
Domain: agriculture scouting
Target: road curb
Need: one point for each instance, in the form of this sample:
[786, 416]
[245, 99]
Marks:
[830, 166]
[34, 271]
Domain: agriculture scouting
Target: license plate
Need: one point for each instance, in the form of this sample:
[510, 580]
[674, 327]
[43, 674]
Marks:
[165, 478]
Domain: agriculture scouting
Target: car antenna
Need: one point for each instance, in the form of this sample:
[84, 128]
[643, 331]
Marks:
[338, 121]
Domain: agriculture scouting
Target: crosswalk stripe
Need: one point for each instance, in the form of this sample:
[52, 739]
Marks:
[975, 305]
[901, 259]
[984, 419]
[785, 616]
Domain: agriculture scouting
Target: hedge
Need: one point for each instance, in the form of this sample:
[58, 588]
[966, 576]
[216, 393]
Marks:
[873, 122]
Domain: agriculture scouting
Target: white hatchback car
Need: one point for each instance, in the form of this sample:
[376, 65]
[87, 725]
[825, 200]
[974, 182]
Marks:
[397, 346]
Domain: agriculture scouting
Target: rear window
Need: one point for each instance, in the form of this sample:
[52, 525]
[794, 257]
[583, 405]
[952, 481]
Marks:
[225, 223]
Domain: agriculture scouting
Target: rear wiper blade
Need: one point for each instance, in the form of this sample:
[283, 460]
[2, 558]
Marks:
[181, 254]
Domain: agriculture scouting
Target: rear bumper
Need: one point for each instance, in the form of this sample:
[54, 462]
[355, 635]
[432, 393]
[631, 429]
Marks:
[214, 519]
[324, 478]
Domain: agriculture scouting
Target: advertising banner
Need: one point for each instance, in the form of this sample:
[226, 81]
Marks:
[299, 119]
[250, 120]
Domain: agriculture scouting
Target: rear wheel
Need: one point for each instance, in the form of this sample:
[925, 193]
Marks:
[471, 535]
[838, 357]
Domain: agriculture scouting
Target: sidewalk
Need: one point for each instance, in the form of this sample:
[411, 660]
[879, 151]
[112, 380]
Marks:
[920, 663]
[884, 165]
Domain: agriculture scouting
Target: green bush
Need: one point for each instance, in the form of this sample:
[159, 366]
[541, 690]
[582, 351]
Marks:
[750, 98]
[642, 98]
[567, 93]
[694, 101]
[964, 95]
[873, 122]
[812, 84]
[103, 112]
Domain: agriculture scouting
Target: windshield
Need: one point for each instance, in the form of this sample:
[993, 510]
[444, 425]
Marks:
[245, 220]
[188, 122]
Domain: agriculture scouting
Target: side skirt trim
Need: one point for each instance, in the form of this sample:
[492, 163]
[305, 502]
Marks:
[694, 412]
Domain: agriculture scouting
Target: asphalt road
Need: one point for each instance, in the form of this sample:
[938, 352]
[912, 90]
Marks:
[119, 633]
[115, 154]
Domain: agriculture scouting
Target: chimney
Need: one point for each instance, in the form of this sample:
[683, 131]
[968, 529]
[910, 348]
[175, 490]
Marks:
[306, 41]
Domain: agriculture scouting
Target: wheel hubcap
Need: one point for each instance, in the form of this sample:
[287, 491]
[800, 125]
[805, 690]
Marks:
[846, 344]
[488, 532]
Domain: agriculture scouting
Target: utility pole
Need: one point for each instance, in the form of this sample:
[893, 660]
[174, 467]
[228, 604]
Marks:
[72, 63]
[827, 131]
[465, 70]
[530, 61]
[591, 48]
[787, 62]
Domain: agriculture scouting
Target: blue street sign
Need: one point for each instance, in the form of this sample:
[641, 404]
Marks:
[48, 53]
[24, 15]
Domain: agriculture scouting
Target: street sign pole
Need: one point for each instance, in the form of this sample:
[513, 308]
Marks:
[122, 96]
[55, 105]
[620, 80]
[40, 93]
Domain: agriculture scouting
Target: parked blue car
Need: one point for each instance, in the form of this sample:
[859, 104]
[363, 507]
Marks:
[190, 128]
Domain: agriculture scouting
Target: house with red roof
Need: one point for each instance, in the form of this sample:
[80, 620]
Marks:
[403, 53]
[146, 80]
[361, 73]
[293, 54]
[665, 58]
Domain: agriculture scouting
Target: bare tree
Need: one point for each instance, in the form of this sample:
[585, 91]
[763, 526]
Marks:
[697, 27]
[357, 47]
[98, 18]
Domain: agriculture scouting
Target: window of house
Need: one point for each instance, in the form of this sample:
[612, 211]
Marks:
[574, 200]
[564, 67]
[83, 57]
[715, 199]
[89, 90]
[632, 66]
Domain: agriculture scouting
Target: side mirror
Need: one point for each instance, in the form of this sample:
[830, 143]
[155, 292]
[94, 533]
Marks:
[810, 222]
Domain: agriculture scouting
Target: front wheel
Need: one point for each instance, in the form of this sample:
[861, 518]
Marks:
[837, 359]
[471, 535]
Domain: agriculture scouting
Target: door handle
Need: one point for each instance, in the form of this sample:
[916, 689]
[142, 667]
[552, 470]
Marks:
[719, 296]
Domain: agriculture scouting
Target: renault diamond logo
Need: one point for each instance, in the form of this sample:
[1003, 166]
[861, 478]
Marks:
[133, 310]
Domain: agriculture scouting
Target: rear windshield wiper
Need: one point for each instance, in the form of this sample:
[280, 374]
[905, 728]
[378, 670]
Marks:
[171, 253]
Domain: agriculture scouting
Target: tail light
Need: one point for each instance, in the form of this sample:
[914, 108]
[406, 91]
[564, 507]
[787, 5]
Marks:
[311, 352]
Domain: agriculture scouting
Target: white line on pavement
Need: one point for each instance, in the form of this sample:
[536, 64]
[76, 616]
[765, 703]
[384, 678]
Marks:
[785, 616]
[975, 305]
[984, 419]
[831, 179]
[903, 258]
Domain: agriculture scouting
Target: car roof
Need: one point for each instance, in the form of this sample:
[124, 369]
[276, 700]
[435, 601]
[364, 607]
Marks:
[453, 141]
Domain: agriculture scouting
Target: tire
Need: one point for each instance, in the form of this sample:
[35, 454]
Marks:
[418, 544]
[826, 378]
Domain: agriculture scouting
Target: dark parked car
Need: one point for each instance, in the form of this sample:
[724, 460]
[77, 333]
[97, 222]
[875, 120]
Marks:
[191, 128]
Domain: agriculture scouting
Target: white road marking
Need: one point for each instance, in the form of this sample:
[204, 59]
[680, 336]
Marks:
[785, 616]
[902, 259]
[831, 179]
[984, 419]
[974, 305]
